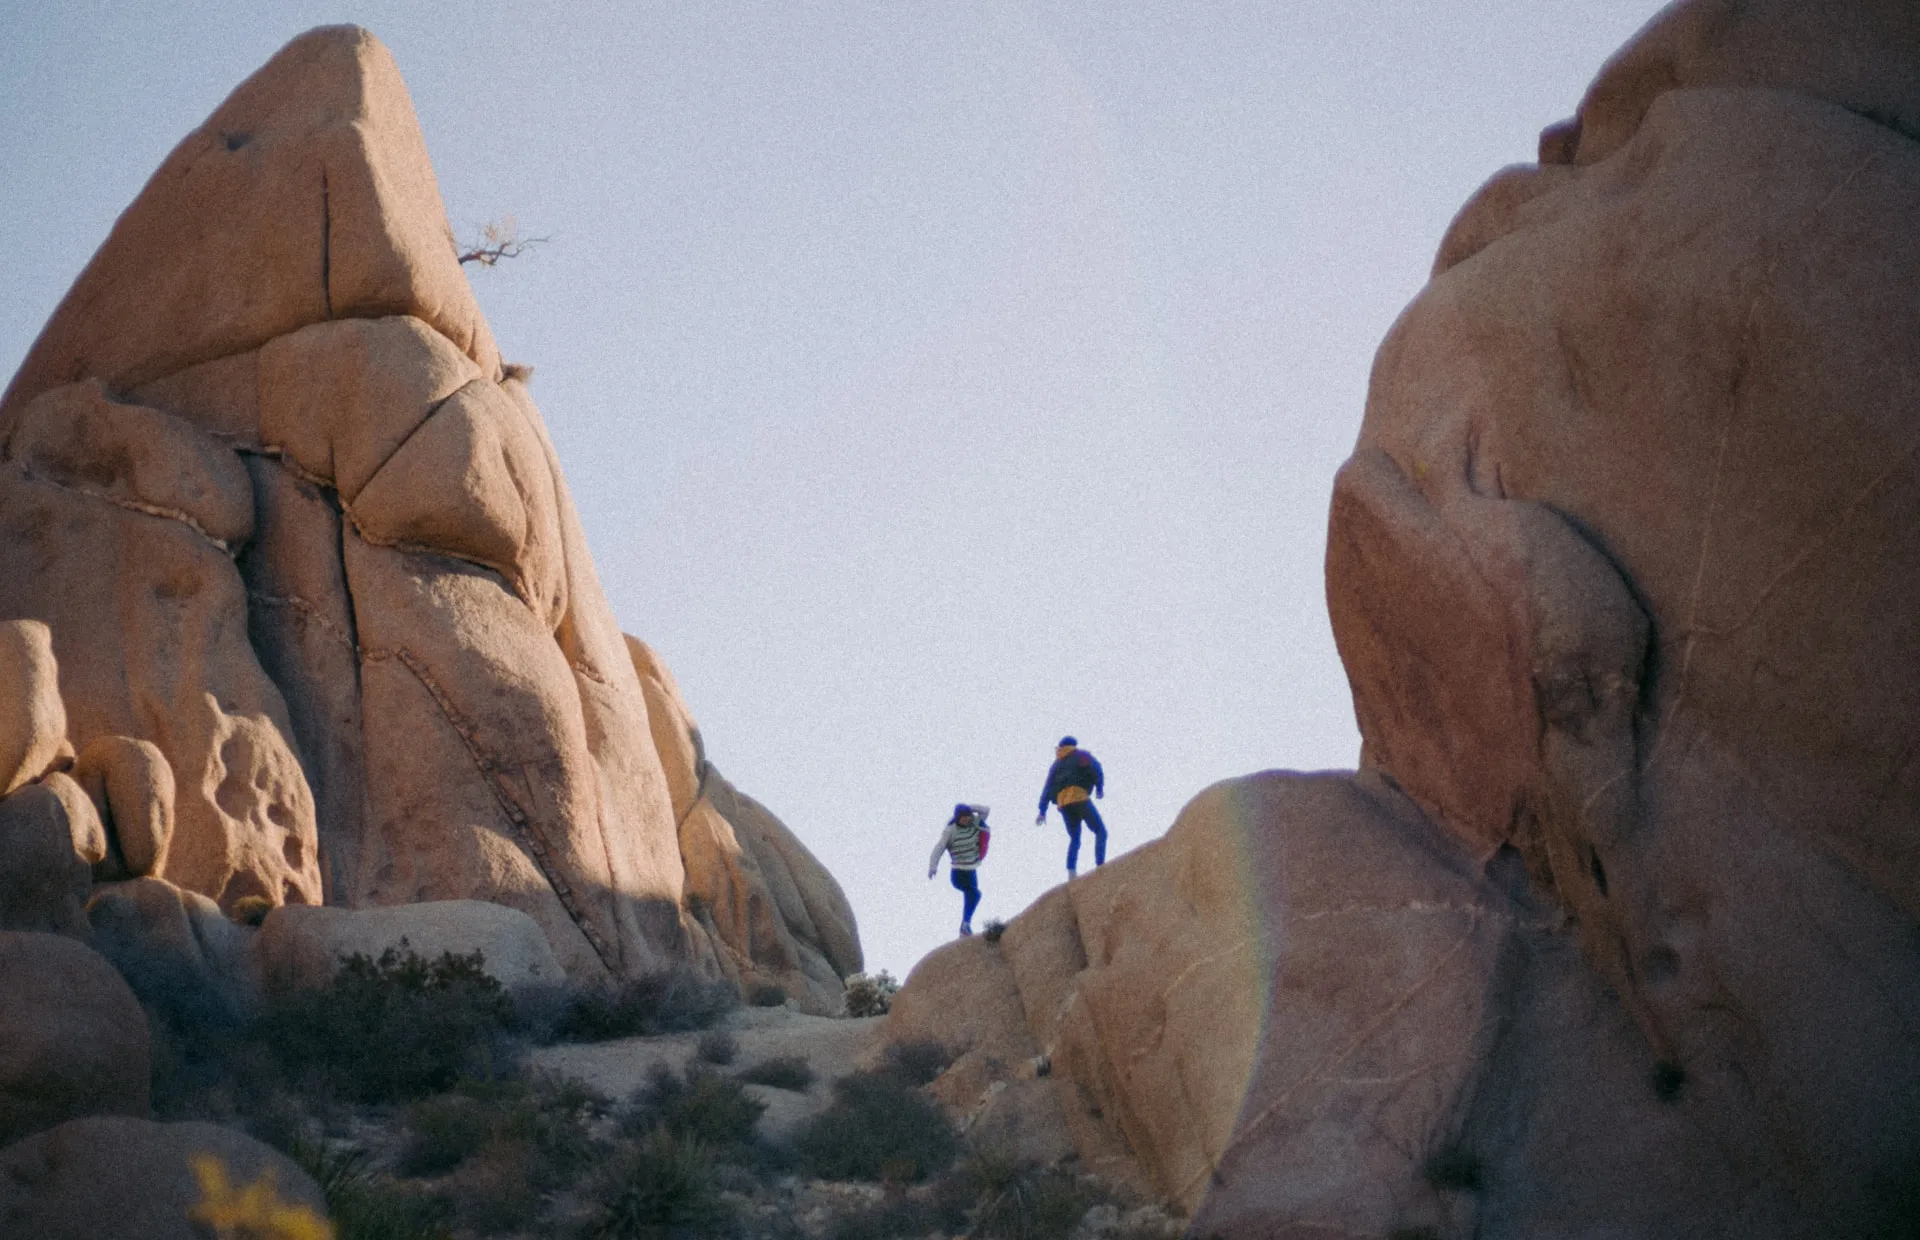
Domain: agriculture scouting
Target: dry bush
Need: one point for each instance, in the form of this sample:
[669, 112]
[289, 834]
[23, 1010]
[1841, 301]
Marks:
[704, 1106]
[675, 1001]
[789, 1072]
[871, 994]
[661, 1186]
[393, 1029]
[877, 1128]
[717, 1046]
[916, 1062]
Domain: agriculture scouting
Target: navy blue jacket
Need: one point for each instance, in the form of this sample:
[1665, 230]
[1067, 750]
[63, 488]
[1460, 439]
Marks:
[1078, 769]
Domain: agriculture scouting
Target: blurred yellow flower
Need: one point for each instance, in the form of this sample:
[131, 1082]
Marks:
[254, 1212]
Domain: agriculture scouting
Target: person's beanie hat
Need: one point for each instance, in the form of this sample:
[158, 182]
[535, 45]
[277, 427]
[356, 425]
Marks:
[961, 811]
[1067, 742]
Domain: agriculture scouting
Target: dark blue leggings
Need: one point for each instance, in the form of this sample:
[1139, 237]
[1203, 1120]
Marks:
[1077, 814]
[968, 885]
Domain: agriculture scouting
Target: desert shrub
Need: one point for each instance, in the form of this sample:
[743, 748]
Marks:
[789, 1072]
[717, 1046]
[675, 1001]
[871, 994]
[1020, 1200]
[877, 1128]
[443, 1132]
[703, 1106]
[994, 929]
[549, 1117]
[393, 1029]
[766, 994]
[499, 1189]
[363, 1204]
[662, 1186]
[915, 1062]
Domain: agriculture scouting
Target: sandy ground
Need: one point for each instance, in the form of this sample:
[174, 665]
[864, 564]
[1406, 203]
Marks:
[833, 1046]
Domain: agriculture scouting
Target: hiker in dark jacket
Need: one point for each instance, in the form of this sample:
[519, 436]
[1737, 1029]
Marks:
[1074, 779]
[964, 842]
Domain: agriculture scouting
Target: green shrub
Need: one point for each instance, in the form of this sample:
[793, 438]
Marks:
[393, 1029]
[703, 1106]
[365, 1205]
[676, 1001]
[1021, 1201]
[767, 995]
[662, 1187]
[550, 1117]
[871, 994]
[717, 1046]
[877, 1128]
[789, 1072]
[915, 1063]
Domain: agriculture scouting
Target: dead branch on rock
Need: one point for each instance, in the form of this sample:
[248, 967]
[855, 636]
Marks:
[498, 239]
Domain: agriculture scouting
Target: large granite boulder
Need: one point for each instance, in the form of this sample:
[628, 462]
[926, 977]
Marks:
[73, 1040]
[1617, 930]
[33, 730]
[327, 624]
[133, 1179]
[184, 958]
[300, 948]
[44, 874]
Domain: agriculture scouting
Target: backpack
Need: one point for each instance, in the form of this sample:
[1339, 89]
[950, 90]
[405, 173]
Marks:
[985, 837]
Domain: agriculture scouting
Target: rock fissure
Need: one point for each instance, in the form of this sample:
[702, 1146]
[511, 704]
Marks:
[30, 474]
[326, 246]
[494, 774]
[309, 613]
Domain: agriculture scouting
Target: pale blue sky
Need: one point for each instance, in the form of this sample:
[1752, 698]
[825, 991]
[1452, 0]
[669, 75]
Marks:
[933, 378]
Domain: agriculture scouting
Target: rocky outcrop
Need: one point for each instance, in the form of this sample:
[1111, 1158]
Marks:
[132, 1179]
[327, 624]
[73, 1041]
[1617, 930]
[772, 911]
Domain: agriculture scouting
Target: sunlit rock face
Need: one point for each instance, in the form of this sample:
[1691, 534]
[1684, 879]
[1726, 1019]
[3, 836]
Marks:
[1623, 937]
[291, 521]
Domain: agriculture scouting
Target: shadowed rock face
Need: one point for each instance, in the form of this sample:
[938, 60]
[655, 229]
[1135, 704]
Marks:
[1623, 937]
[295, 529]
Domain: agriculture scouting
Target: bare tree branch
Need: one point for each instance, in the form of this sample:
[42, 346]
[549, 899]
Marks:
[499, 239]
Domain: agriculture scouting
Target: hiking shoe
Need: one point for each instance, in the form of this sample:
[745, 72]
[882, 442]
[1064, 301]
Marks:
[966, 931]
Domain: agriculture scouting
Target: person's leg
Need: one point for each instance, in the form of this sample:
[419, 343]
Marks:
[1069, 814]
[968, 886]
[1099, 830]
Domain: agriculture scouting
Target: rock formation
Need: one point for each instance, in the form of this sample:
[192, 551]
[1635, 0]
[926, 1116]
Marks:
[1617, 929]
[325, 620]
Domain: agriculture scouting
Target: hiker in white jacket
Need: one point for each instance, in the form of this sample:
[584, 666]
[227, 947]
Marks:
[965, 843]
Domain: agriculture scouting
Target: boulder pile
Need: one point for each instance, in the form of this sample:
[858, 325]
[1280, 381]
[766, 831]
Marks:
[1616, 931]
